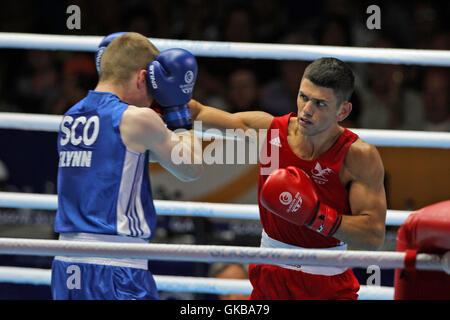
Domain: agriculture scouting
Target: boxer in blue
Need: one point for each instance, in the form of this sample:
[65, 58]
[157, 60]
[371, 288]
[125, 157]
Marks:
[105, 143]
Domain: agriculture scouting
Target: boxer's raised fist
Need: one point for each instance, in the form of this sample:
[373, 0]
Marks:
[171, 79]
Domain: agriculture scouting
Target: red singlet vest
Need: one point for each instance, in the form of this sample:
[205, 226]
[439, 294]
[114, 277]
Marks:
[324, 171]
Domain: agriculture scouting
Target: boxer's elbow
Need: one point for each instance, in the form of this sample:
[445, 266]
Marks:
[191, 173]
[368, 238]
[197, 170]
[362, 232]
[375, 240]
[378, 242]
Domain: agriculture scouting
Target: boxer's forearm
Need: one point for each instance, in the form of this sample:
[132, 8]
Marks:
[215, 118]
[361, 232]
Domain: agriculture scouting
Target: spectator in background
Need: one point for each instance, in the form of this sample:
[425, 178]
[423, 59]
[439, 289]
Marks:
[108, 15]
[278, 96]
[222, 270]
[386, 101]
[37, 86]
[138, 22]
[78, 76]
[271, 19]
[436, 99]
[425, 23]
[198, 19]
[18, 16]
[335, 32]
[440, 41]
[210, 87]
[243, 91]
[7, 106]
[239, 25]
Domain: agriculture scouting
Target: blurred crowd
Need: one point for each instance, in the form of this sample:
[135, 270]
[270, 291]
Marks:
[387, 96]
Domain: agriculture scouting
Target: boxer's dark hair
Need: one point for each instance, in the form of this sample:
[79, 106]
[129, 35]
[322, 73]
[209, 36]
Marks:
[334, 74]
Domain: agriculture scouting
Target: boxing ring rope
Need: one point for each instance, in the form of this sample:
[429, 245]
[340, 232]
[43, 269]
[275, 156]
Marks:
[212, 253]
[237, 49]
[202, 253]
[36, 276]
[169, 208]
[386, 138]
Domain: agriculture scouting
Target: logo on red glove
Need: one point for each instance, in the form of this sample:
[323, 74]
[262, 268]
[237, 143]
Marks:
[294, 203]
[285, 198]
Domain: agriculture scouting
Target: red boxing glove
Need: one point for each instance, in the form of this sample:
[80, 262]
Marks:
[290, 194]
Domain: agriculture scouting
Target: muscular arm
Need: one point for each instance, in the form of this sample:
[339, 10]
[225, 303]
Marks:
[216, 118]
[142, 129]
[365, 228]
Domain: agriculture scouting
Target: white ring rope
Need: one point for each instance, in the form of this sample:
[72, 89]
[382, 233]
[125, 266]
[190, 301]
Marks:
[386, 138]
[169, 208]
[35, 276]
[238, 49]
[210, 253]
[30, 121]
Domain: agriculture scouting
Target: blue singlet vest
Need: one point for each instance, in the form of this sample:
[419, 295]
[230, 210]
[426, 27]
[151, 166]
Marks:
[103, 187]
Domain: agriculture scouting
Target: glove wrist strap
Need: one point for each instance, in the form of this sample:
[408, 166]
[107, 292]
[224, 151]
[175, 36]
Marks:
[326, 221]
[178, 117]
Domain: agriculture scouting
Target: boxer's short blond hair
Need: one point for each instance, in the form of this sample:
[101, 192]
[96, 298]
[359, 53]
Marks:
[126, 55]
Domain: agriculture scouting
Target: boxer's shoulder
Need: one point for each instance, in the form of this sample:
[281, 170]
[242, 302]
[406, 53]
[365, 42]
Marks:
[139, 115]
[363, 160]
[139, 122]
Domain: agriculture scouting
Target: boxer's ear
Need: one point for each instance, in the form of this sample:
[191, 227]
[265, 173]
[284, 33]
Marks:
[141, 80]
[344, 110]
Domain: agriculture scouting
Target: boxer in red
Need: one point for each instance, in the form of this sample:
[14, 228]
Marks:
[327, 191]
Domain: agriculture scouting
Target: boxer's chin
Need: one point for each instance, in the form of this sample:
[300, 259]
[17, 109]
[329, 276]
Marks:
[306, 129]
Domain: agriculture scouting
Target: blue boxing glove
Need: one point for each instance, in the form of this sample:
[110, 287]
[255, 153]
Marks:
[171, 78]
[102, 47]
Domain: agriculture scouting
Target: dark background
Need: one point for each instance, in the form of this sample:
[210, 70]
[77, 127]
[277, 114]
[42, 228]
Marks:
[49, 82]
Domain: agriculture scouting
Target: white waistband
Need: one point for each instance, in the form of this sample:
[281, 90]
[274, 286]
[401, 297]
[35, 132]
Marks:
[79, 236]
[83, 236]
[268, 242]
